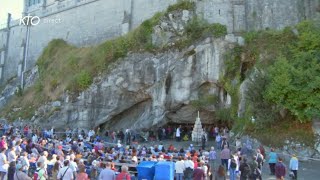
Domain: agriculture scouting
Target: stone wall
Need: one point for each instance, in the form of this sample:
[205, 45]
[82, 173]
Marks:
[245, 15]
[81, 23]
[90, 22]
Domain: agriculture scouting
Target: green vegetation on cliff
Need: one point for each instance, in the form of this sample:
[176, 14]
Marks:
[283, 94]
[63, 67]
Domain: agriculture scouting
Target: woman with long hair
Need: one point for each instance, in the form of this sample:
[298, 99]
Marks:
[221, 173]
[82, 175]
[55, 170]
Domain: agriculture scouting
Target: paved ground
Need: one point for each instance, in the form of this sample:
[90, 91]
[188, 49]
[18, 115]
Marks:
[308, 170]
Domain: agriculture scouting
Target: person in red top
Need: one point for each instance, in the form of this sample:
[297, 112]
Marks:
[3, 143]
[26, 130]
[195, 157]
[82, 175]
[195, 162]
[124, 174]
[171, 148]
[198, 173]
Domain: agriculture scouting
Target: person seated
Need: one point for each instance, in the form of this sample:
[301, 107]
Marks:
[122, 160]
[171, 148]
[191, 148]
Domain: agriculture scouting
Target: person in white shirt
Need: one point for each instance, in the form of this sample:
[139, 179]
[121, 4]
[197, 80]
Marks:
[178, 133]
[294, 166]
[25, 162]
[52, 132]
[233, 166]
[80, 137]
[204, 167]
[4, 165]
[34, 138]
[17, 148]
[73, 165]
[180, 167]
[12, 157]
[34, 150]
[65, 173]
[91, 133]
[43, 159]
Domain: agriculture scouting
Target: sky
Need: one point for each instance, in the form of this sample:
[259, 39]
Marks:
[15, 7]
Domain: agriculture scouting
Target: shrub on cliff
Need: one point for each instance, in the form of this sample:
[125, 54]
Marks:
[291, 62]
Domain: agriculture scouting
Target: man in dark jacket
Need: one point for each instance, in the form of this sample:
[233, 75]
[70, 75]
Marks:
[280, 170]
[245, 170]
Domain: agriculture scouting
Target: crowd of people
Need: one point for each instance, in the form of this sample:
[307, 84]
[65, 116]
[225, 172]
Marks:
[31, 153]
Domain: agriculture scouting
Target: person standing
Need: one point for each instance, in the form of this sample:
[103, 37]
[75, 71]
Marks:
[65, 173]
[3, 143]
[198, 173]
[224, 142]
[238, 144]
[203, 140]
[225, 156]
[212, 159]
[256, 171]
[12, 157]
[179, 167]
[107, 173]
[218, 141]
[221, 174]
[178, 133]
[4, 164]
[280, 170]
[128, 136]
[245, 170]
[272, 161]
[42, 172]
[189, 166]
[232, 167]
[124, 175]
[259, 159]
[11, 170]
[55, 170]
[294, 165]
[19, 174]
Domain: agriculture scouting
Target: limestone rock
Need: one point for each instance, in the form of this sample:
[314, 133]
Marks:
[146, 90]
[31, 77]
[56, 104]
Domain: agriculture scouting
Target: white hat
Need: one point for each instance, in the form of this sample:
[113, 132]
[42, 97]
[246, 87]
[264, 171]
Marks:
[95, 163]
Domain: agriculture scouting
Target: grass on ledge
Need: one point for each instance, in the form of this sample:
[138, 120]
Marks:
[63, 67]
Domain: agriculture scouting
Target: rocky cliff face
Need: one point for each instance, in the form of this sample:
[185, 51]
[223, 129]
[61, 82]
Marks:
[145, 90]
